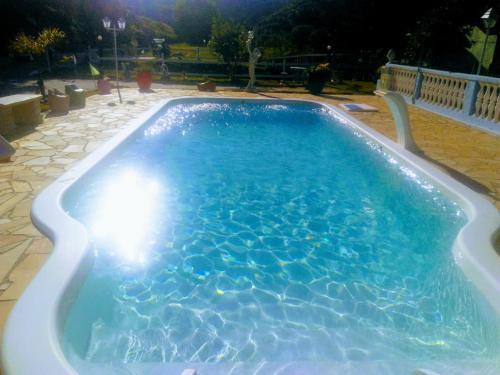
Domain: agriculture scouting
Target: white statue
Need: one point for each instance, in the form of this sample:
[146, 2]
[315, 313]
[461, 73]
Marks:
[252, 60]
[391, 55]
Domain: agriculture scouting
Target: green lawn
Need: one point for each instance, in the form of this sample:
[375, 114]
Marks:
[346, 87]
[189, 52]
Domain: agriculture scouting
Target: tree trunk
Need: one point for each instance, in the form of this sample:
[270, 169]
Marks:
[48, 60]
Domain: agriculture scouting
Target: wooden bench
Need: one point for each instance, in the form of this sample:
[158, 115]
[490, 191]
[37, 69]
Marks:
[20, 109]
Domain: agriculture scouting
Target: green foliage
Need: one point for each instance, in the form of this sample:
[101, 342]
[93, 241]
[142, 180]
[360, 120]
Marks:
[317, 76]
[320, 70]
[228, 40]
[477, 37]
[143, 29]
[434, 32]
[27, 44]
[190, 52]
[193, 20]
[439, 38]
[145, 66]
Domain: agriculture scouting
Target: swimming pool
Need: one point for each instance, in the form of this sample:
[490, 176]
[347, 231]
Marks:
[257, 236]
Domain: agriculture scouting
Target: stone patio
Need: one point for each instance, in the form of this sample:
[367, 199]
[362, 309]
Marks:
[45, 152]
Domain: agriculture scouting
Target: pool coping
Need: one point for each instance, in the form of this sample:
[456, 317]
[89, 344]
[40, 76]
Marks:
[51, 297]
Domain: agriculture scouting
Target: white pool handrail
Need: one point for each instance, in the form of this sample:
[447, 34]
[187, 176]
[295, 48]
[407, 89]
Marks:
[399, 110]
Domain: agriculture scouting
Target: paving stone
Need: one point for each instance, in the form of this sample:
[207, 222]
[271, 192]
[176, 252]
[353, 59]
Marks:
[74, 148]
[5, 309]
[14, 224]
[11, 202]
[21, 186]
[22, 274]
[9, 258]
[40, 246]
[44, 160]
[91, 146]
[22, 209]
[7, 241]
[28, 230]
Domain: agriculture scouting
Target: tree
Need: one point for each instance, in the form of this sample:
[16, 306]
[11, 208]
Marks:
[228, 41]
[27, 44]
[142, 30]
[193, 20]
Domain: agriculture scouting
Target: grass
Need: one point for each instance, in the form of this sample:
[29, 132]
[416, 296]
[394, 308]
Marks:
[346, 87]
[190, 52]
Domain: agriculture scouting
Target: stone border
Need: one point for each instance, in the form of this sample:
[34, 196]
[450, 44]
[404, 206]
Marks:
[38, 317]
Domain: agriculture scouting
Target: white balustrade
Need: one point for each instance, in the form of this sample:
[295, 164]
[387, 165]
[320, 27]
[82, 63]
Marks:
[469, 98]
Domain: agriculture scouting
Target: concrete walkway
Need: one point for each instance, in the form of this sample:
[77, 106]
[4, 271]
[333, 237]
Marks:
[45, 152]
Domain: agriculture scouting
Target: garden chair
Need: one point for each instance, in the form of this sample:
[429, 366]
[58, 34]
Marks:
[58, 102]
[76, 96]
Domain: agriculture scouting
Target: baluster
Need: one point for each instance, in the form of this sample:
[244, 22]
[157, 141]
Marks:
[404, 82]
[486, 101]
[440, 91]
[445, 90]
[395, 82]
[461, 94]
[413, 83]
[496, 118]
[492, 103]
[448, 93]
[425, 88]
[479, 100]
[410, 85]
[453, 94]
[432, 89]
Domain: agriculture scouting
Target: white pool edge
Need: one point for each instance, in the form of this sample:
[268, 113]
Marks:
[32, 336]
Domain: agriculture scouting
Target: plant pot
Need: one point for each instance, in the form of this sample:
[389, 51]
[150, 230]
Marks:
[144, 80]
[207, 86]
[315, 86]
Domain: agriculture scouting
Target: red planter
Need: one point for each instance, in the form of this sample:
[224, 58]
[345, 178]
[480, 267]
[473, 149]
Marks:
[144, 80]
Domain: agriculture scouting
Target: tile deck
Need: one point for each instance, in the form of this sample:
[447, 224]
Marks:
[47, 151]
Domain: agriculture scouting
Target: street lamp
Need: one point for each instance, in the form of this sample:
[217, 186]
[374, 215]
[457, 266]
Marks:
[489, 21]
[329, 54]
[106, 21]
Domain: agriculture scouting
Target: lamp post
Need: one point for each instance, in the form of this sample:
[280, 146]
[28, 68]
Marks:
[120, 22]
[489, 21]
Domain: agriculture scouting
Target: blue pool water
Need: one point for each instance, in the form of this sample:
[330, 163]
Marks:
[259, 234]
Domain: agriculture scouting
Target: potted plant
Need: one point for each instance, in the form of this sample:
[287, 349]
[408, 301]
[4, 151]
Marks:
[317, 76]
[144, 76]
